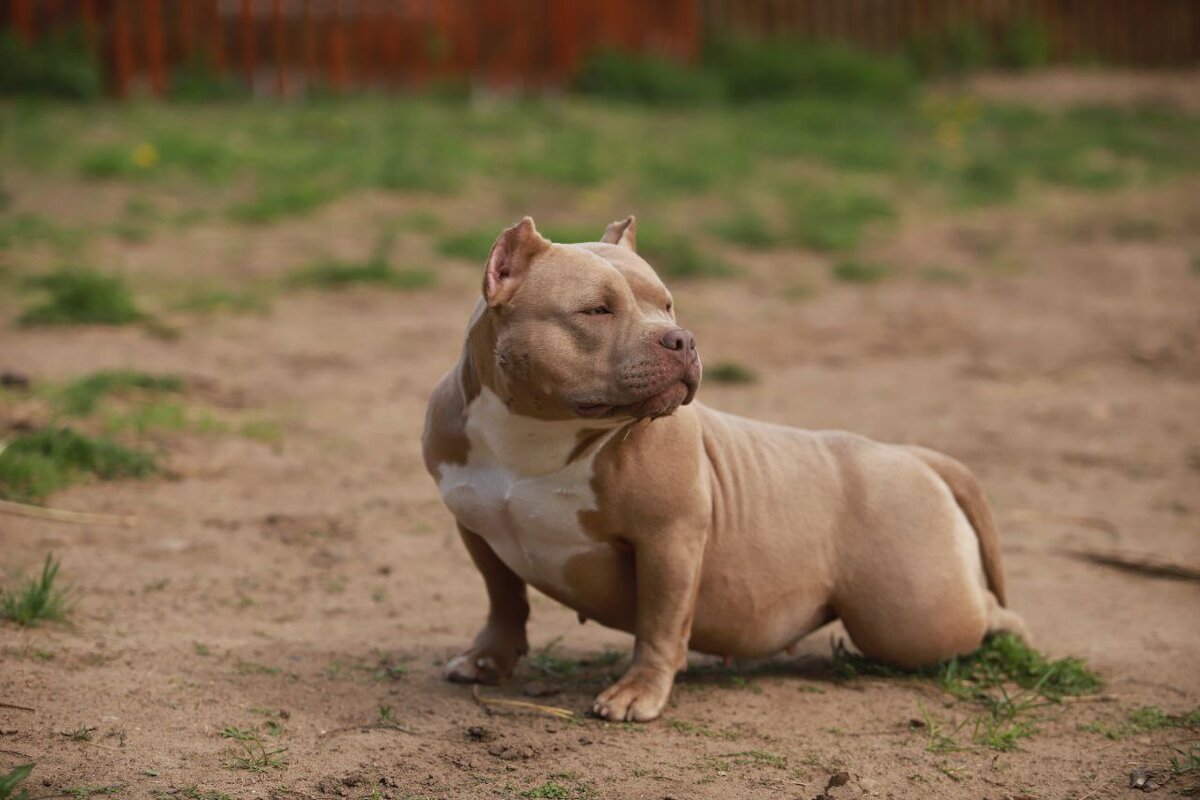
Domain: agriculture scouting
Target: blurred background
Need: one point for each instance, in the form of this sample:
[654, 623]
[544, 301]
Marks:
[239, 244]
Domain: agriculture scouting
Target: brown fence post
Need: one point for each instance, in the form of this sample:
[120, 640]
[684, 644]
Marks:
[277, 31]
[247, 32]
[153, 33]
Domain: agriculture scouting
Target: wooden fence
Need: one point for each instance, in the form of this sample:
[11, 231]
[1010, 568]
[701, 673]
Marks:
[1152, 33]
[291, 46]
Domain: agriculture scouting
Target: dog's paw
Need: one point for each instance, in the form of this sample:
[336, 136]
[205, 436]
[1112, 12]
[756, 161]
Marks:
[490, 659]
[638, 697]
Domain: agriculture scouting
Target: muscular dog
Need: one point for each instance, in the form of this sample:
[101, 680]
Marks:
[569, 449]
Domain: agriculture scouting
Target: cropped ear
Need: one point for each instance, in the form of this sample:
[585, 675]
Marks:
[509, 261]
[623, 232]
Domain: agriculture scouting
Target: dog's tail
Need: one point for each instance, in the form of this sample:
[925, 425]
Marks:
[974, 505]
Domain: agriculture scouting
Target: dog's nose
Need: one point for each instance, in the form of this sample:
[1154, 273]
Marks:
[679, 339]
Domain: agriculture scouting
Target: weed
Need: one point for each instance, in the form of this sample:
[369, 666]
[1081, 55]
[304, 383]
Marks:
[240, 734]
[730, 372]
[82, 297]
[547, 662]
[81, 734]
[37, 599]
[201, 649]
[10, 780]
[30, 229]
[251, 668]
[35, 464]
[162, 415]
[556, 791]
[80, 396]
[253, 755]
[293, 197]
[855, 271]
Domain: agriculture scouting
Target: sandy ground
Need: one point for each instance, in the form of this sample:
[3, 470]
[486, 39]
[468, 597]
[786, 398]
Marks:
[272, 585]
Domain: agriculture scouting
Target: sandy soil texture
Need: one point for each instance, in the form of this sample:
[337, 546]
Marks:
[308, 589]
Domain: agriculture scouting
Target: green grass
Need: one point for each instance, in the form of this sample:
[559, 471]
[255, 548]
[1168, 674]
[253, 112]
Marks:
[376, 271]
[833, 220]
[730, 372]
[469, 245]
[676, 255]
[82, 297]
[10, 781]
[747, 228]
[1144, 719]
[35, 600]
[33, 465]
[253, 755]
[1007, 680]
[209, 300]
[81, 396]
[857, 271]
[547, 662]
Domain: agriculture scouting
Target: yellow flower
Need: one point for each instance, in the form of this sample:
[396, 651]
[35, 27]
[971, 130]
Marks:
[145, 155]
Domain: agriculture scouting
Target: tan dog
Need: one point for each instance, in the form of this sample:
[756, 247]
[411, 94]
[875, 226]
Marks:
[567, 447]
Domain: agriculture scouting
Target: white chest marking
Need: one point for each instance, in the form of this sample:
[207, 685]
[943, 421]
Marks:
[519, 493]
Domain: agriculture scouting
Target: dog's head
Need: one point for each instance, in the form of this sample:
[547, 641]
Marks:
[581, 330]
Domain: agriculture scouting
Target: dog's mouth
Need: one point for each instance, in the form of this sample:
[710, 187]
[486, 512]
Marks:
[662, 402]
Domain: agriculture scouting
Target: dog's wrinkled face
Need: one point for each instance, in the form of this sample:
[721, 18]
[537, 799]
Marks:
[584, 330]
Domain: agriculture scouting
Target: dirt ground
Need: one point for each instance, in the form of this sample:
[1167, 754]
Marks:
[295, 587]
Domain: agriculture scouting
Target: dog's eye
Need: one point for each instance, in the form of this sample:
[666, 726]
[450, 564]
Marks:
[596, 311]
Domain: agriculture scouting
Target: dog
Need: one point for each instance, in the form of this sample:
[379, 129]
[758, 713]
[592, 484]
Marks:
[567, 445]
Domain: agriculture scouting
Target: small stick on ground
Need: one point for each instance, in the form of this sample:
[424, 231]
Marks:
[62, 515]
[1141, 563]
[520, 705]
[17, 707]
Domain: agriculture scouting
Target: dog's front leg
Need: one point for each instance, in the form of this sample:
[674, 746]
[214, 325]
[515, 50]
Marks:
[668, 575]
[501, 641]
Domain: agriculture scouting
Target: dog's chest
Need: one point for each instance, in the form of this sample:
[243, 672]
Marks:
[521, 491]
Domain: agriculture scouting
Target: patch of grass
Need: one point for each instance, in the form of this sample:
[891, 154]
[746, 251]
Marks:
[82, 297]
[81, 396]
[700, 729]
[557, 791]
[730, 372]
[470, 245]
[10, 780]
[333, 274]
[143, 419]
[855, 271]
[254, 756]
[678, 256]
[35, 464]
[288, 198]
[829, 220]
[212, 300]
[81, 734]
[36, 599]
[1145, 719]
[545, 661]
[1130, 229]
[1007, 679]
[31, 229]
[939, 274]
[747, 228]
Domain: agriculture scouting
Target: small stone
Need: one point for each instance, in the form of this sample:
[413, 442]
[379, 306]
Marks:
[477, 733]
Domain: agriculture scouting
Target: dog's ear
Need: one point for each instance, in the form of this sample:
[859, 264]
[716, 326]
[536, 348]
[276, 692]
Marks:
[509, 261]
[623, 232]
